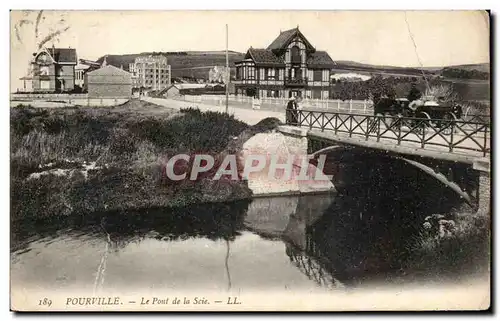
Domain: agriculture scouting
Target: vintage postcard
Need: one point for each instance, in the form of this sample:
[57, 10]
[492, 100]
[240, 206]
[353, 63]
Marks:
[250, 160]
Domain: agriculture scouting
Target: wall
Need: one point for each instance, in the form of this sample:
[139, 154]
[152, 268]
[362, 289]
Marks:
[109, 90]
[109, 85]
[284, 146]
[67, 73]
[64, 100]
[50, 77]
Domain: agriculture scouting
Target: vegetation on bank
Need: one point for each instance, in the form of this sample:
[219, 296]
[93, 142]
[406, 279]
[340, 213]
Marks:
[460, 73]
[400, 86]
[451, 242]
[81, 160]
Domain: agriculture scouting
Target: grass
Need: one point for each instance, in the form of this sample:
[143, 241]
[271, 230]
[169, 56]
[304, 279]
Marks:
[127, 143]
[449, 243]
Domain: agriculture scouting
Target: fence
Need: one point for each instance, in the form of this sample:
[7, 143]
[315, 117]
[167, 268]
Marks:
[64, 100]
[452, 134]
[280, 103]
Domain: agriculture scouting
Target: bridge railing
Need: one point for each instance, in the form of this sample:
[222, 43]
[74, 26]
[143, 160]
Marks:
[451, 135]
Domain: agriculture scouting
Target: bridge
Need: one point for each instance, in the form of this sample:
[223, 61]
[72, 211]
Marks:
[418, 141]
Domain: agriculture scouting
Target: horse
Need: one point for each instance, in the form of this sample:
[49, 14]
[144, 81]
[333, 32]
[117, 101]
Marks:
[386, 106]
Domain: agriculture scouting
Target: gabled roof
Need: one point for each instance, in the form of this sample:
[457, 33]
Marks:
[63, 55]
[88, 62]
[109, 70]
[263, 56]
[285, 37]
[320, 59]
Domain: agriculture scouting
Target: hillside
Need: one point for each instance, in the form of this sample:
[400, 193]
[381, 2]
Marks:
[467, 71]
[194, 64]
[353, 65]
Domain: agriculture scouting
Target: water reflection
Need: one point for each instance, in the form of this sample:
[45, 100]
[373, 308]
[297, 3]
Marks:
[293, 243]
[220, 247]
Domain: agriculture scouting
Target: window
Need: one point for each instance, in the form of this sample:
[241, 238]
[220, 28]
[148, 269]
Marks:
[317, 75]
[44, 84]
[295, 52]
[271, 73]
[251, 72]
[326, 75]
[44, 70]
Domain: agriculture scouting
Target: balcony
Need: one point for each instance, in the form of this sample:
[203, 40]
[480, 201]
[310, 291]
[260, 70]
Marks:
[296, 82]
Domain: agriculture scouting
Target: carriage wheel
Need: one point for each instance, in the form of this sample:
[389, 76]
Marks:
[423, 123]
[397, 122]
[448, 121]
[373, 125]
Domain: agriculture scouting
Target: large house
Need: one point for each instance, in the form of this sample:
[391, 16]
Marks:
[53, 70]
[289, 66]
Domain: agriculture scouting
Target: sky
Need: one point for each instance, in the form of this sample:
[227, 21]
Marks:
[374, 37]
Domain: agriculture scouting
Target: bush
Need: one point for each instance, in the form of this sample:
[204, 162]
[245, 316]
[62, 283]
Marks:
[130, 145]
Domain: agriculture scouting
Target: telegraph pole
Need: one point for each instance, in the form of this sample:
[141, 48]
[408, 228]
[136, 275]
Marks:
[228, 73]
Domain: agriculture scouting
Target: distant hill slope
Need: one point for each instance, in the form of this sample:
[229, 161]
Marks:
[468, 71]
[184, 64]
[196, 64]
[479, 67]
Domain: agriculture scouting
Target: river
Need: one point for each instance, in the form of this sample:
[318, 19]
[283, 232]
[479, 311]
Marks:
[358, 237]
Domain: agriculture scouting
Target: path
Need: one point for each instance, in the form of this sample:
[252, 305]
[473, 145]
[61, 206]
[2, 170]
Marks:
[247, 115]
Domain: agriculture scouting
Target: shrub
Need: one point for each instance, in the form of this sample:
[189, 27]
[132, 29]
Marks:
[129, 144]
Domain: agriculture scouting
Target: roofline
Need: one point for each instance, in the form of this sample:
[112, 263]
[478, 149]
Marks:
[47, 52]
[320, 66]
[274, 64]
[251, 55]
[288, 39]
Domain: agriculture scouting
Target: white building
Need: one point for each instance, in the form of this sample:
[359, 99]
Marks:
[152, 72]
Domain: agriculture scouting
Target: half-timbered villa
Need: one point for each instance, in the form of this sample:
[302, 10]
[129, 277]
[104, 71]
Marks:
[289, 66]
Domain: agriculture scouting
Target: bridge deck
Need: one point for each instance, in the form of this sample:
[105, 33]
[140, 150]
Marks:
[408, 148]
[461, 141]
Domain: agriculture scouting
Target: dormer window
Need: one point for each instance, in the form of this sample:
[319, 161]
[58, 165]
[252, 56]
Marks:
[43, 59]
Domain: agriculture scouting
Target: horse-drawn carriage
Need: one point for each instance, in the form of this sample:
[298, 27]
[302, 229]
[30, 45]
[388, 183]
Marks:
[420, 113]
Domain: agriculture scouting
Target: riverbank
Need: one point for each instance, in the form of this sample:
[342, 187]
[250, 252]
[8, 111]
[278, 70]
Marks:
[81, 160]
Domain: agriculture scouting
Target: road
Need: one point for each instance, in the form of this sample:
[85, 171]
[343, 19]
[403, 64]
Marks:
[247, 115]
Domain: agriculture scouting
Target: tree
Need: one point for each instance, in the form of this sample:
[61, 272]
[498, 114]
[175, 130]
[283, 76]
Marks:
[444, 92]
